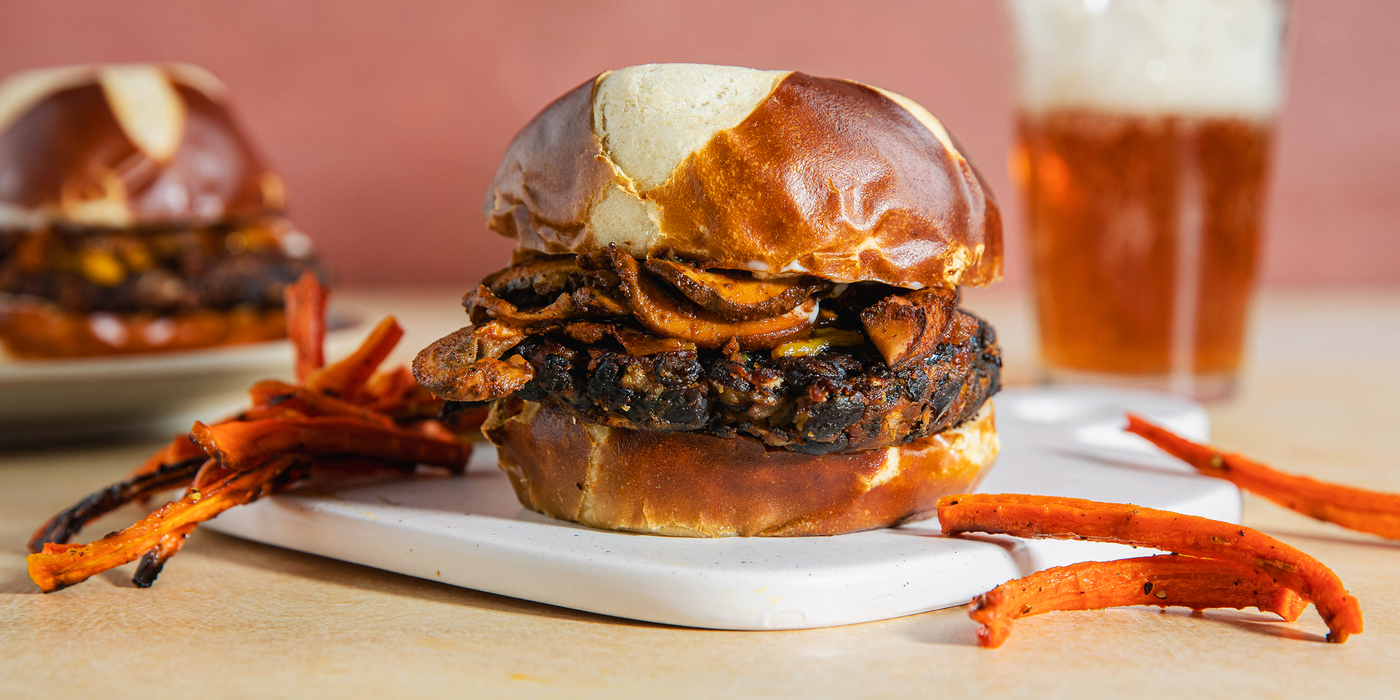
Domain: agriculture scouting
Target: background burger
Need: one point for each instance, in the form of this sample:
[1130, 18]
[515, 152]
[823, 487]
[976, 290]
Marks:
[135, 216]
[733, 307]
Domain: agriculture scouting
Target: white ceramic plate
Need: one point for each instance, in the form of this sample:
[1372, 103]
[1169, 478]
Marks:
[470, 531]
[51, 400]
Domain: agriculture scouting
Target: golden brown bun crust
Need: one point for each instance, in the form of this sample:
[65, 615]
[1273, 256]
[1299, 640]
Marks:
[37, 330]
[702, 486]
[825, 177]
[126, 146]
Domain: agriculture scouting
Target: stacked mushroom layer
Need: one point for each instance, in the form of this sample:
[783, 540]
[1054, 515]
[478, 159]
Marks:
[657, 344]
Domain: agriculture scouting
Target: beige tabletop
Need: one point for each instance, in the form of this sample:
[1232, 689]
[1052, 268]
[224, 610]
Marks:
[230, 618]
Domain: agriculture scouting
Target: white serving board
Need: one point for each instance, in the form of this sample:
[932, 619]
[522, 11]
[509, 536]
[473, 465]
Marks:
[469, 531]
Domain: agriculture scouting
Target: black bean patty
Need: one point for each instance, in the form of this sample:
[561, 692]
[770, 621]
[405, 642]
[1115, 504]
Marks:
[840, 400]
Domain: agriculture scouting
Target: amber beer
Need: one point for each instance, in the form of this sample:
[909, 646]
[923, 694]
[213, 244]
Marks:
[1124, 211]
[1144, 139]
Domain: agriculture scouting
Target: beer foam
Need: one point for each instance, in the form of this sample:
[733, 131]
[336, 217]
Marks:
[1191, 57]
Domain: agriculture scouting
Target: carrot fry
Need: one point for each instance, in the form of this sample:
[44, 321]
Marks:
[61, 565]
[1357, 509]
[434, 429]
[63, 526]
[340, 421]
[272, 393]
[1164, 580]
[180, 449]
[1073, 518]
[210, 473]
[241, 445]
[398, 394]
[154, 559]
[393, 386]
[345, 378]
[306, 323]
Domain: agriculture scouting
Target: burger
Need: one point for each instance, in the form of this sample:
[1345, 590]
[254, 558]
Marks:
[135, 216]
[732, 307]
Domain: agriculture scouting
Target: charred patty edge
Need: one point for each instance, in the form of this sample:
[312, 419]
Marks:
[838, 401]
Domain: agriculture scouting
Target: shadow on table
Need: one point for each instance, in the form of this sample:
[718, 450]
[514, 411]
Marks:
[950, 627]
[953, 627]
[16, 582]
[1264, 623]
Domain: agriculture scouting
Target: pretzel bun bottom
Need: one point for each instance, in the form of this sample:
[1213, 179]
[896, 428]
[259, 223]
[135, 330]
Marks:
[693, 485]
[40, 330]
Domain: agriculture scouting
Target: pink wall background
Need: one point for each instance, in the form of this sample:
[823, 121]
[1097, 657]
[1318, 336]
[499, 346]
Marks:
[387, 118]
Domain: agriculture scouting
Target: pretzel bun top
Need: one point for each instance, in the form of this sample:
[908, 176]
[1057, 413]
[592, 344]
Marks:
[121, 146]
[774, 172]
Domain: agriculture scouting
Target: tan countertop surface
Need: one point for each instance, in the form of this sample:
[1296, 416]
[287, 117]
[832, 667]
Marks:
[230, 618]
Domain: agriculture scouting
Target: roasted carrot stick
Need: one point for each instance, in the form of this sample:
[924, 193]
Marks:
[398, 394]
[181, 448]
[63, 526]
[341, 421]
[1073, 518]
[432, 429]
[306, 323]
[270, 393]
[154, 559]
[1358, 509]
[344, 379]
[1164, 580]
[392, 386]
[61, 565]
[241, 445]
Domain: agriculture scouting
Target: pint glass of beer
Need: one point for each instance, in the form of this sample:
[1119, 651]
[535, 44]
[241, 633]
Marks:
[1144, 144]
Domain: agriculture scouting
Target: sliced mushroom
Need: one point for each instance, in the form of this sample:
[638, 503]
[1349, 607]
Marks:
[907, 328]
[484, 306]
[960, 329]
[545, 275]
[588, 332]
[669, 317]
[597, 303]
[464, 366]
[635, 342]
[490, 379]
[735, 295]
